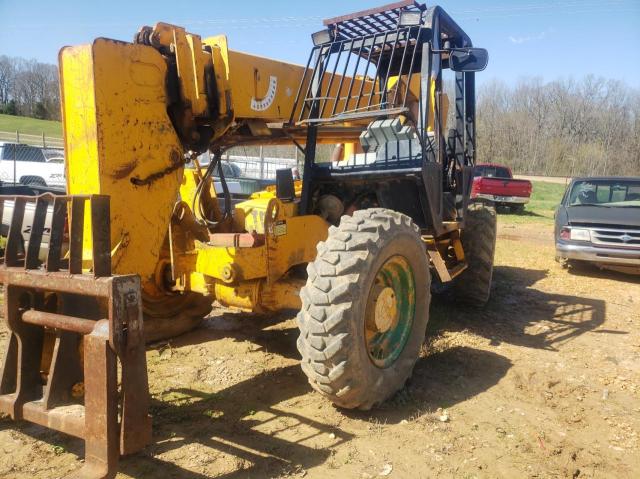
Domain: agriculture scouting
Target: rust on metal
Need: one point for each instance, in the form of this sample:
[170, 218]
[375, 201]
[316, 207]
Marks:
[372, 11]
[58, 222]
[58, 321]
[110, 328]
[37, 230]
[13, 250]
[76, 235]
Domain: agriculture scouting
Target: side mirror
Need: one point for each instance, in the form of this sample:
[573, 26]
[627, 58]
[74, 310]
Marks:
[468, 59]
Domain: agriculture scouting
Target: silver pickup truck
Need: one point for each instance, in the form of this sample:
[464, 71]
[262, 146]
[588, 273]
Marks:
[598, 222]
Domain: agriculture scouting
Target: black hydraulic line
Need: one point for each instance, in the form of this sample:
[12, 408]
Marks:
[197, 205]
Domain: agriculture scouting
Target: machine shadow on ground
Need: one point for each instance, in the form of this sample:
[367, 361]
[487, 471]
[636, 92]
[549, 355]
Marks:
[223, 423]
[521, 315]
[590, 271]
[241, 421]
[505, 210]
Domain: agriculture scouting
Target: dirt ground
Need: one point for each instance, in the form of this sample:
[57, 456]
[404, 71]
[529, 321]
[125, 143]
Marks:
[543, 382]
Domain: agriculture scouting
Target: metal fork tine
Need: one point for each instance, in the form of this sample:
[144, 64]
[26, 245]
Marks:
[15, 242]
[76, 232]
[101, 235]
[58, 219]
[32, 260]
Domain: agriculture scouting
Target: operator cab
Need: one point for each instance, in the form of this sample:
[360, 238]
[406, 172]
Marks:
[382, 70]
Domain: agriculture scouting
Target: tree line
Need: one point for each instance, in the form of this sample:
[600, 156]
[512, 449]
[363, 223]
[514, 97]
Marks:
[29, 88]
[559, 128]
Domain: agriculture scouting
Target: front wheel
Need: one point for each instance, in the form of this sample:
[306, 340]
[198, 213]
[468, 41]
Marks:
[32, 181]
[365, 308]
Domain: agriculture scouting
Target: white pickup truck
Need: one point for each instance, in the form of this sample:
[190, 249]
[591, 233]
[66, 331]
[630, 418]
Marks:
[31, 165]
[29, 210]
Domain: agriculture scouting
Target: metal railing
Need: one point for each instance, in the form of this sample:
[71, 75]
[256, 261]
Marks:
[31, 139]
[261, 168]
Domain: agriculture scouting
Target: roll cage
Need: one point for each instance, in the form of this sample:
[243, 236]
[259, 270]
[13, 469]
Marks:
[375, 65]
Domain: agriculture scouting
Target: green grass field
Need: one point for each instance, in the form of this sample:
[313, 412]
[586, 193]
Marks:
[30, 126]
[544, 199]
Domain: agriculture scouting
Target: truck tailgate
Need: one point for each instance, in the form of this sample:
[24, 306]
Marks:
[502, 186]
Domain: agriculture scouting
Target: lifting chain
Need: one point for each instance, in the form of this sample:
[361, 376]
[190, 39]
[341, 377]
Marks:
[176, 164]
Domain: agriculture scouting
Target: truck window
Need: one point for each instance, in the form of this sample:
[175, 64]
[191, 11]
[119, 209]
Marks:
[491, 172]
[56, 154]
[604, 192]
[22, 153]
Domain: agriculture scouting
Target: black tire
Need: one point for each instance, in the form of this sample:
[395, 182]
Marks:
[172, 315]
[519, 209]
[473, 286]
[33, 181]
[335, 353]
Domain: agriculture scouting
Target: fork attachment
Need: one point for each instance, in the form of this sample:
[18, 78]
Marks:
[70, 324]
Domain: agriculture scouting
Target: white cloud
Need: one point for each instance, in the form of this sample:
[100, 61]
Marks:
[532, 38]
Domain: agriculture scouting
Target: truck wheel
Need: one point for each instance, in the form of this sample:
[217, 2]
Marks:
[519, 209]
[473, 286]
[32, 181]
[365, 308]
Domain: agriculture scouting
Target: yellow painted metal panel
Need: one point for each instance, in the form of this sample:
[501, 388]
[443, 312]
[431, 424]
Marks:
[261, 87]
[117, 128]
[246, 263]
[250, 215]
[294, 242]
[80, 132]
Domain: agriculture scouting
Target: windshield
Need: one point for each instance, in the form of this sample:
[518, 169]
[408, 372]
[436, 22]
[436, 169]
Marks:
[605, 193]
[491, 172]
[20, 152]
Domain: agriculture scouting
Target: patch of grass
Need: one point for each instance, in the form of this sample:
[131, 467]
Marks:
[545, 196]
[30, 126]
[541, 207]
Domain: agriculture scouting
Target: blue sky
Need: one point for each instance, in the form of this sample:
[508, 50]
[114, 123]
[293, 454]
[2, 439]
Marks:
[550, 39]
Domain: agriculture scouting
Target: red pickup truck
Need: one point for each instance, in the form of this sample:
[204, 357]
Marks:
[496, 183]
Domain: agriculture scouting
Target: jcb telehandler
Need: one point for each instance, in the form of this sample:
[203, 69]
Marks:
[148, 238]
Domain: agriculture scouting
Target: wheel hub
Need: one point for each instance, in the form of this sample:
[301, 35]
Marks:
[385, 310]
[389, 312]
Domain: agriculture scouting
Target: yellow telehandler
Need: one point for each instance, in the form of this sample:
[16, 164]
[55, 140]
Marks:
[151, 245]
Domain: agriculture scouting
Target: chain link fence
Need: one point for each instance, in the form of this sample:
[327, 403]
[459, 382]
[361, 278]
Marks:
[252, 162]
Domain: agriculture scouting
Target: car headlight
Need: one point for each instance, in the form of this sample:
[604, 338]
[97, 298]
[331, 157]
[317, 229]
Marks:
[580, 234]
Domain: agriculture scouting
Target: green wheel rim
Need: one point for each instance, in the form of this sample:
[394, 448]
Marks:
[390, 310]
